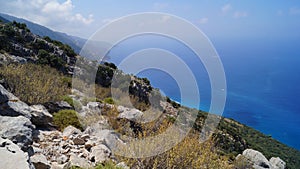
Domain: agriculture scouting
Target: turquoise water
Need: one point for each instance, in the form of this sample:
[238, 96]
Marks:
[263, 80]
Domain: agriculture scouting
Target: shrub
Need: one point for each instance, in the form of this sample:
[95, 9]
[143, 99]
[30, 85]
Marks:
[109, 100]
[34, 84]
[64, 118]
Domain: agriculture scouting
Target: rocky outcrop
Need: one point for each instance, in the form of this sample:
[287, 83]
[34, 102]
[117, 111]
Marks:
[259, 161]
[54, 107]
[17, 129]
[10, 105]
[277, 163]
[129, 114]
[40, 116]
[12, 156]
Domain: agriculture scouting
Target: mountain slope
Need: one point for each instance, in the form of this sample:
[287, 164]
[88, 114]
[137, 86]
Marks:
[19, 45]
[75, 42]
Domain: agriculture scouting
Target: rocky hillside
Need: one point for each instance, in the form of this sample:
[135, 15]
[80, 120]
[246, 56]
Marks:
[75, 42]
[43, 130]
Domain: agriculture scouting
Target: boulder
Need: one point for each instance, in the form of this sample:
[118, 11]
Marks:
[130, 114]
[12, 156]
[17, 129]
[62, 159]
[10, 105]
[40, 161]
[54, 107]
[40, 116]
[100, 153]
[70, 130]
[76, 161]
[277, 163]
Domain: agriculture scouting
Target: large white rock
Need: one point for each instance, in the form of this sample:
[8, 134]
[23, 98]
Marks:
[100, 153]
[257, 158]
[17, 129]
[277, 163]
[77, 162]
[12, 157]
[10, 105]
[70, 130]
[130, 114]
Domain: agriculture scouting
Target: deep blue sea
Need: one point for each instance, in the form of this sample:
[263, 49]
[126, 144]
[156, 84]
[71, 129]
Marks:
[263, 80]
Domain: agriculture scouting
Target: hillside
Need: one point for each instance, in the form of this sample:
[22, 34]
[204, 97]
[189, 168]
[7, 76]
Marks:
[35, 85]
[75, 42]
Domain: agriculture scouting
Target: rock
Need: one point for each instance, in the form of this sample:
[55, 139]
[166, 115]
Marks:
[130, 114]
[40, 116]
[77, 162]
[62, 159]
[257, 158]
[78, 141]
[40, 161]
[70, 130]
[100, 153]
[12, 157]
[10, 105]
[89, 144]
[122, 165]
[277, 163]
[55, 165]
[17, 129]
[54, 107]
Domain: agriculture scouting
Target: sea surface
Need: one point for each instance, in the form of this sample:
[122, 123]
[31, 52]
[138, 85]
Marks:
[262, 75]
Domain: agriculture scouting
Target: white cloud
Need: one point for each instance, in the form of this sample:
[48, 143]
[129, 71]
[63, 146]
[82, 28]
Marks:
[294, 11]
[56, 15]
[203, 20]
[226, 8]
[240, 14]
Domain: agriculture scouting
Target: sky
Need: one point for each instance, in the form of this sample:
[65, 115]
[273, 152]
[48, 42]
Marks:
[221, 19]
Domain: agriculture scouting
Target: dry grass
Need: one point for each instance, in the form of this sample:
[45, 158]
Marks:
[35, 84]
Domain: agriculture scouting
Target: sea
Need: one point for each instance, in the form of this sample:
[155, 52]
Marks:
[262, 77]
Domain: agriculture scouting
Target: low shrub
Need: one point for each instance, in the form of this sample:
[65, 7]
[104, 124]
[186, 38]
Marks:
[64, 118]
[35, 84]
[109, 100]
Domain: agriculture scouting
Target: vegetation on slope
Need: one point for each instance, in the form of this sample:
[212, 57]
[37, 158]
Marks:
[36, 84]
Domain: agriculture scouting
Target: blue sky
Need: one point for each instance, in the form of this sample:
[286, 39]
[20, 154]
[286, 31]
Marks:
[237, 19]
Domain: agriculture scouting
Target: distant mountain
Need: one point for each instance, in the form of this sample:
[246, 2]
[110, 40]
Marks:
[4, 20]
[75, 42]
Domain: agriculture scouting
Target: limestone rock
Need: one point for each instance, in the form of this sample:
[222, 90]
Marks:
[54, 107]
[12, 157]
[40, 161]
[40, 116]
[130, 114]
[68, 131]
[17, 129]
[10, 105]
[62, 159]
[100, 153]
[77, 162]
[257, 158]
[277, 163]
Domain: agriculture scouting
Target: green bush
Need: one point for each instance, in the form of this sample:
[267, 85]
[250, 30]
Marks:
[64, 118]
[109, 100]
